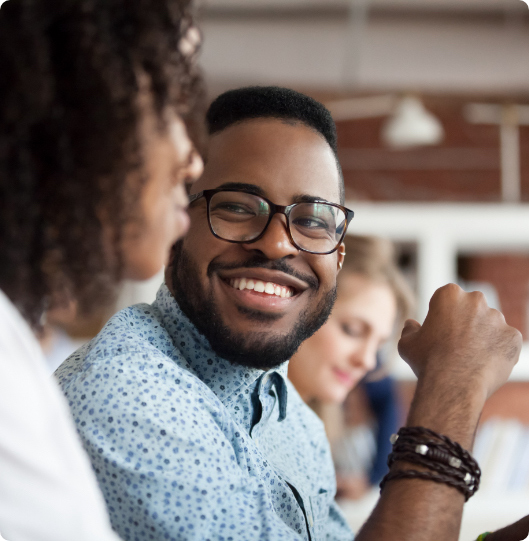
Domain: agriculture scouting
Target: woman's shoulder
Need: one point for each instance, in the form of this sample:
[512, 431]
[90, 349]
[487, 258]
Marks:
[16, 337]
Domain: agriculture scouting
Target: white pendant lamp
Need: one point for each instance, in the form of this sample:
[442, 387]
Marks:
[412, 125]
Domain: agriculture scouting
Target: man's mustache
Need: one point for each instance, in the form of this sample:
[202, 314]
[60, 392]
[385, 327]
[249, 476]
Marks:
[263, 263]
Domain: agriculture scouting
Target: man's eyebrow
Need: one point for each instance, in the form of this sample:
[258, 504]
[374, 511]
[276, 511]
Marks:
[257, 190]
[305, 198]
[250, 188]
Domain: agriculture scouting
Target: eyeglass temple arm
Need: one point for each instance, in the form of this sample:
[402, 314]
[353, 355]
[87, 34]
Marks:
[349, 216]
[195, 196]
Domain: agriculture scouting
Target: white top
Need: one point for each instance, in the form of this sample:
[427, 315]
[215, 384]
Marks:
[48, 491]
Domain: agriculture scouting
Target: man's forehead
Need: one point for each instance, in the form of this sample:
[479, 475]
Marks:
[286, 160]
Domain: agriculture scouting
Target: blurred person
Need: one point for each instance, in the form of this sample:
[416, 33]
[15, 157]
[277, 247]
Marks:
[93, 157]
[193, 429]
[56, 345]
[373, 302]
[62, 331]
[372, 414]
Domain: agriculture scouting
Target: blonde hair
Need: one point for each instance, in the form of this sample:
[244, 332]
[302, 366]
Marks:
[375, 258]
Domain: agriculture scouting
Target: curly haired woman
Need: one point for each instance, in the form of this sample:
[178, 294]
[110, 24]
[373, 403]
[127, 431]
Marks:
[95, 98]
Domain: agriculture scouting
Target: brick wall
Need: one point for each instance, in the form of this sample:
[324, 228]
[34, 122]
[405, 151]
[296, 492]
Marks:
[464, 167]
[509, 273]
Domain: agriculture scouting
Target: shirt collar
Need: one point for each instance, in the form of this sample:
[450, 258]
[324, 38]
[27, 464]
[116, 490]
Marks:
[222, 377]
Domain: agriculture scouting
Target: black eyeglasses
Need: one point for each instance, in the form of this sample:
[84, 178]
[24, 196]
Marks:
[316, 227]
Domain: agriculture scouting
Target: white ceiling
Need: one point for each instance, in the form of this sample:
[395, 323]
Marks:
[477, 5]
[441, 54]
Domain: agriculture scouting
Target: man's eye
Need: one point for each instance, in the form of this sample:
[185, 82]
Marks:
[310, 222]
[234, 208]
[233, 212]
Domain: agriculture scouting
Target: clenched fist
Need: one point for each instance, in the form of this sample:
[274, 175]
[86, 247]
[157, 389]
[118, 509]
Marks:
[463, 345]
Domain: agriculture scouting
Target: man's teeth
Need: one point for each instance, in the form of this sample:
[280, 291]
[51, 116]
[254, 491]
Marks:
[261, 287]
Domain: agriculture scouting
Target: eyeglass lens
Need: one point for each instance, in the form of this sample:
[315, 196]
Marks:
[242, 217]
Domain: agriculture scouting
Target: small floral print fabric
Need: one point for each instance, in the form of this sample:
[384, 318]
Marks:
[187, 446]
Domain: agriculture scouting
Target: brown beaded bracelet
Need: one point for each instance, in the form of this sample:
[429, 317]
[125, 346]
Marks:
[436, 466]
[428, 476]
[435, 457]
[453, 446]
[443, 449]
[451, 464]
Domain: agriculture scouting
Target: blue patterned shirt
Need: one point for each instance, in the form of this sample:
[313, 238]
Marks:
[186, 445]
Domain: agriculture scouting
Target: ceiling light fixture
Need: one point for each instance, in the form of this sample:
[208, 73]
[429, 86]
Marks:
[412, 125]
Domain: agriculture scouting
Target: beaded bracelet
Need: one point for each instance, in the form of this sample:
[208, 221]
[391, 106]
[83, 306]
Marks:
[438, 456]
[448, 461]
[459, 479]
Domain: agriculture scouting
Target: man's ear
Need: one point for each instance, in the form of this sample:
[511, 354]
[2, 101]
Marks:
[341, 256]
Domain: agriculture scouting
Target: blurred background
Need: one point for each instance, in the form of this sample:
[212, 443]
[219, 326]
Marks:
[431, 100]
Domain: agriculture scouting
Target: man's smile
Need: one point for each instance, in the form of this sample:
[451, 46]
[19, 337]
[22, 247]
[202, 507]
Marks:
[259, 286]
[262, 289]
[260, 278]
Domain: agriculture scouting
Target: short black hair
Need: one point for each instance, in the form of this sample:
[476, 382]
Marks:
[252, 102]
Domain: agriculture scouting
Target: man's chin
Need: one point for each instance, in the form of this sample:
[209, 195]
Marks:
[258, 316]
[255, 349]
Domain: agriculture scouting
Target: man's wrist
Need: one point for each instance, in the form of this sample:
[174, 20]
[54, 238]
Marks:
[442, 405]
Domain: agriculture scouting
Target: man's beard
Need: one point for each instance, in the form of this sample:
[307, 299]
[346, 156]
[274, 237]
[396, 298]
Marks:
[260, 350]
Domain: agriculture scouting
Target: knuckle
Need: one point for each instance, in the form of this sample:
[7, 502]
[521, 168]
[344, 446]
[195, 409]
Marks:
[516, 336]
[453, 287]
[496, 314]
[513, 342]
[444, 294]
[477, 297]
[449, 289]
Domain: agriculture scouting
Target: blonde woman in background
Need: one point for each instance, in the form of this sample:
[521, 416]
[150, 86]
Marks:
[373, 302]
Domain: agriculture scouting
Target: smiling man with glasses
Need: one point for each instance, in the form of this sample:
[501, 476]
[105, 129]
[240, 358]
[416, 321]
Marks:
[184, 406]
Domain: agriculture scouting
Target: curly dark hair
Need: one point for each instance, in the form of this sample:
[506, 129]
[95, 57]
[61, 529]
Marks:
[250, 102]
[69, 138]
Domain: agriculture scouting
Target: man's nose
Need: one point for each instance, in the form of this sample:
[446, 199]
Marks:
[275, 243]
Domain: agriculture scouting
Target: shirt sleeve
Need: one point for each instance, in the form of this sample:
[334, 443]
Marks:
[163, 451]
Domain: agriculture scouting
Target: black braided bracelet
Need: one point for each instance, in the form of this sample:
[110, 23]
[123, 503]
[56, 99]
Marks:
[419, 432]
[459, 478]
[432, 452]
[448, 461]
[446, 450]
[437, 466]
[428, 476]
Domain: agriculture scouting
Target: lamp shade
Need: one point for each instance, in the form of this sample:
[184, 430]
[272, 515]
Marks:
[412, 125]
